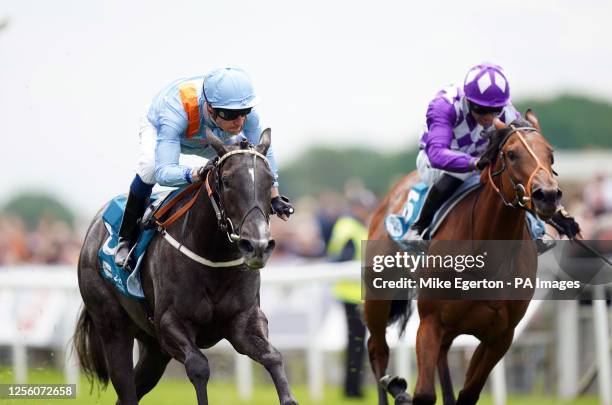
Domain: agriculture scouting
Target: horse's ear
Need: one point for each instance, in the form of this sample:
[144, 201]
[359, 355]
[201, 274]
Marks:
[499, 124]
[215, 142]
[533, 120]
[264, 141]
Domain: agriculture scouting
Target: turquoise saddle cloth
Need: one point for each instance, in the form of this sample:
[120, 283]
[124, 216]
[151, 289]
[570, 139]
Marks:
[126, 283]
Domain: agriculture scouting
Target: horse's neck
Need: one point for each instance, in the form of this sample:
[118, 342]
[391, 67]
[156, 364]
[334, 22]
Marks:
[198, 230]
[493, 220]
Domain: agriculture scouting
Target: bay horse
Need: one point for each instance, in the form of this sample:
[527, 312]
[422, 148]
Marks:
[191, 305]
[519, 176]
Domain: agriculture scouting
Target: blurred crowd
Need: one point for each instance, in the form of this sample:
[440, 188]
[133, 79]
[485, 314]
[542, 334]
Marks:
[304, 236]
[308, 231]
[595, 208]
[50, 242]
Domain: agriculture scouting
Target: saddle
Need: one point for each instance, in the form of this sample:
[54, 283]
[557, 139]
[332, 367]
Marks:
[128, 282]
[397, 224]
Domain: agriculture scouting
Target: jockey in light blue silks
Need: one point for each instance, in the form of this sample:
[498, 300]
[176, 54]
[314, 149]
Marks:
[452, 143]
[223, 102]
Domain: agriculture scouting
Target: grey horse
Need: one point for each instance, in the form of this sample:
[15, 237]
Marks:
[191, 305]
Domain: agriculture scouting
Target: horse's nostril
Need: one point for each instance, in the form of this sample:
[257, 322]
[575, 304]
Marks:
[245, 246]
[547, 196]
[256, 248]
[271, 246]
[538, 195]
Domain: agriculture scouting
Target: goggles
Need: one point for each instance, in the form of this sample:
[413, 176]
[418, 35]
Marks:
[484, 110]
[230, 115]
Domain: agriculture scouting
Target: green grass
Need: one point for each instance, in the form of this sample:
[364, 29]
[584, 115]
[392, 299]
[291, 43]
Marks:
[180, 391]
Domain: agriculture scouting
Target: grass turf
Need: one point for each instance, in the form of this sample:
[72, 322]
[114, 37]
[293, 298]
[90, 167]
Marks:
[180, 391]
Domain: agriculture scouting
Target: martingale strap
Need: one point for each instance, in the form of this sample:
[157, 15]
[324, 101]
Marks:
[195, 257]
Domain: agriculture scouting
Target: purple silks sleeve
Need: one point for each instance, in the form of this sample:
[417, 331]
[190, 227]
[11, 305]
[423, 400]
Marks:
[441, 117]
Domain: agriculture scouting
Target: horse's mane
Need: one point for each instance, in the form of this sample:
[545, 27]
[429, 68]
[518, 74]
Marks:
[497, 138]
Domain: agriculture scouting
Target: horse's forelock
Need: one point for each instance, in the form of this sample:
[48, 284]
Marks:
[521, 122]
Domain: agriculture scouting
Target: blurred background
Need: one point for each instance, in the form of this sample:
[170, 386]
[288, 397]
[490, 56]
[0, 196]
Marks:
[345, 87]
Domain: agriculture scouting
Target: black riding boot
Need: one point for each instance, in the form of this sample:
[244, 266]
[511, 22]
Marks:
[439, 192]
[134, 208]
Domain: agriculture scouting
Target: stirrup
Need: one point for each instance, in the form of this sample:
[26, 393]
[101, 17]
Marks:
[413, 235]
[413, 241]
[127, 245]
[544, 245]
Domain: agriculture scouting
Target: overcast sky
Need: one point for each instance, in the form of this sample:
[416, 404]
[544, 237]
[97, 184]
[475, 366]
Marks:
[76, 75]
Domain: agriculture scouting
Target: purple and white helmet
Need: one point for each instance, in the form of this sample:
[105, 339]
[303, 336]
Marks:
[486, 85]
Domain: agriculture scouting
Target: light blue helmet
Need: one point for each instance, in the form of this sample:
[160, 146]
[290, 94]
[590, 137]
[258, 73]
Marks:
[229, 88]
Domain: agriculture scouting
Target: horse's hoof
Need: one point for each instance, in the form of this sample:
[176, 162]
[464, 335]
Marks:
[403, 399]
[290, 402]
[394, 385]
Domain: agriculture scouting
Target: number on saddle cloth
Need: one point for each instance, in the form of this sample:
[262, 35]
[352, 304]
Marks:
[397, 224]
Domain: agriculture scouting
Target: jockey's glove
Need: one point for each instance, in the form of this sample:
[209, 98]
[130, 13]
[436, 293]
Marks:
[481, 163]
[201, 171]
[564, 223]
[282, 206]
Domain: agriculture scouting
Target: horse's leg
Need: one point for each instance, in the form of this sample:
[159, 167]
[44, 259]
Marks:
[118, 344]
[151, 365]
[428, 350]
[249, 336]
[179, 342]
[481, 366]
[376, 315]
[448, 394]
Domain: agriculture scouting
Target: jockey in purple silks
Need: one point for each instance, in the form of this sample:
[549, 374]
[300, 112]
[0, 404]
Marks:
[452, 143]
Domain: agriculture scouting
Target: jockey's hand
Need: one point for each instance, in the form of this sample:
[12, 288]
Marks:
[282, 207]
[482, 163]
[565, 224]
[200, 172]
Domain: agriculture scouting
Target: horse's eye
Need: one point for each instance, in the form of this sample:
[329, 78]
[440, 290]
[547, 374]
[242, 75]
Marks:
[511, 155]
[225, 181]
[552, 160]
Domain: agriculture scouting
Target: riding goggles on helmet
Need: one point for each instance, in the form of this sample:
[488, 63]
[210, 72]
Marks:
[230, 115]
[484, 110]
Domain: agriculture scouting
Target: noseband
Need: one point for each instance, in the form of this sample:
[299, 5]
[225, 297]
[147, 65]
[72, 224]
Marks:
[214, 193]
[522, 194]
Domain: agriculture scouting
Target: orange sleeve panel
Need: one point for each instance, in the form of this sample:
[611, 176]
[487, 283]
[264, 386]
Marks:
[189, 98]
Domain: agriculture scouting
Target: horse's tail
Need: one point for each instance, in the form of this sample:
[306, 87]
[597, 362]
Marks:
[401, 309]
[89, 350]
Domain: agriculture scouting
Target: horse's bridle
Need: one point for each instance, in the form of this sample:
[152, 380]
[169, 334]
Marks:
[214, 193]
[522, 194]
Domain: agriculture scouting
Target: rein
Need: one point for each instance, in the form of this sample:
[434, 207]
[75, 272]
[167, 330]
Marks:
[522, 198]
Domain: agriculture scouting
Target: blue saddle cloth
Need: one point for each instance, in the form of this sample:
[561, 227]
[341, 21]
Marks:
[397, 225]
[126, 283]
